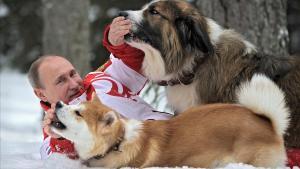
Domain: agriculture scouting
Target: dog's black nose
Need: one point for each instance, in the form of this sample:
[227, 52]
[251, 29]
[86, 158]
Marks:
[123, 13]
[58, 105]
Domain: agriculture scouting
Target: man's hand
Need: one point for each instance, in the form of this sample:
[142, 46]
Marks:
[118, 28]
[49, 115]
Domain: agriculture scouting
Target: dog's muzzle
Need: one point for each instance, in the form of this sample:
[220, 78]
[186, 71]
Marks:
[55, 121]
[129, 37]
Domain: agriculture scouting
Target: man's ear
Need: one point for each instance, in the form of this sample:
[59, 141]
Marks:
[95, 98]
[40, 94]
[193, 35]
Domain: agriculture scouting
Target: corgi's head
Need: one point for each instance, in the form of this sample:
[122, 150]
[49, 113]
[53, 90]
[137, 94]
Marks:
[93, 127]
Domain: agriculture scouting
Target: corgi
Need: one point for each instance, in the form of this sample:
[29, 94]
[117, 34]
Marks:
[208, 136]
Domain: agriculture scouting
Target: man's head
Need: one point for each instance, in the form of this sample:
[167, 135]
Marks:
[54, 78]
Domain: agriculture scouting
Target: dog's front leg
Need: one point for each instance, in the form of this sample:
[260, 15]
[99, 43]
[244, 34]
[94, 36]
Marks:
[95, 163]
[85, 163]
[112, 160]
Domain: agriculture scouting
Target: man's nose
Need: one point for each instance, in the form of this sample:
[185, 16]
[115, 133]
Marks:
[123, 13]
[73, 83]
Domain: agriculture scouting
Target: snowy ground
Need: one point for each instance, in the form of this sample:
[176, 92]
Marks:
[20, 132]
[20, 115]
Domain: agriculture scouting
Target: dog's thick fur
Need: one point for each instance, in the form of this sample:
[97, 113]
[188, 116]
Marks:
[211, 136]
[177, 40]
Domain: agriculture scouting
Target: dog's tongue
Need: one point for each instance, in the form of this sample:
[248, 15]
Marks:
[56, 123]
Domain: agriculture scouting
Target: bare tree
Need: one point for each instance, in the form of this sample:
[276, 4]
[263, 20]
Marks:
[66, 31]
[262, 22]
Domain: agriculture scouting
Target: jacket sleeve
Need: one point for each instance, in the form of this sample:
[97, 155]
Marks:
[57, 145]
[131, 56]
[119, 71]
[45, 149]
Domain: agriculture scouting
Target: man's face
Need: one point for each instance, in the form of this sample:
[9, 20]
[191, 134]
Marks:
[59, 80]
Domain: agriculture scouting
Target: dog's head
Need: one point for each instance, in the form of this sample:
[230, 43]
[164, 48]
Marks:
[92, 126]
[172, 30]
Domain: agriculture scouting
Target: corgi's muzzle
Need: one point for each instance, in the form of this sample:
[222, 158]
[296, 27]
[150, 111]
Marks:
[56, 122]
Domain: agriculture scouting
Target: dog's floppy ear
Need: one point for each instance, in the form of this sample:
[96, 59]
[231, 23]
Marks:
[193, 35]
[95, 98]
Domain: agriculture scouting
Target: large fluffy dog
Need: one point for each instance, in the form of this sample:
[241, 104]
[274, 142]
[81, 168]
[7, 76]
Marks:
[250, 132]
[200, 62]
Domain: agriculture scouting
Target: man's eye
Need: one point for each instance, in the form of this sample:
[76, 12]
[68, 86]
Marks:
[153, 12]
[73, 74]
[59, 81]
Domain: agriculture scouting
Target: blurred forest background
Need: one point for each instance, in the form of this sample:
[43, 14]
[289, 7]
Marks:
[31, 28]
[73, 28]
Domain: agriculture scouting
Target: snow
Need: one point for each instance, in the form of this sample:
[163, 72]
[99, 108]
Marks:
[4, 10]
[20, 118]
[94, 13]
[20, 132]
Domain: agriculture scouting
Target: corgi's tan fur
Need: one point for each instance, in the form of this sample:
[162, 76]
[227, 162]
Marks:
[205, 136]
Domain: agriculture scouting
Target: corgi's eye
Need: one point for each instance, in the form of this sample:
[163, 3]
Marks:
[78, 113]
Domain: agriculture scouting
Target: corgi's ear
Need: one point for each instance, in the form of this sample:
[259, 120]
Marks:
[95, 97]
[109, 118]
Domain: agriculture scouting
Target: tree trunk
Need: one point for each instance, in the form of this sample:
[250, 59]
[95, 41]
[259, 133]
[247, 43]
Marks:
[66, 31]
[262, 22]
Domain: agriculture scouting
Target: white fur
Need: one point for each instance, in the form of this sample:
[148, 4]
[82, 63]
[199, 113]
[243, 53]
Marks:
[77, 130]
[250, 48]
[153, 65]
[215, 30]
[136, 17]
[84, 142]
[150, 3]
[264, 97]
[132, 129]
[182, 97]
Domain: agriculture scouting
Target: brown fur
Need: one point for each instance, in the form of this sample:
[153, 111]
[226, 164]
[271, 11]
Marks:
[207, 136]
[222, 65]
[98, 125]
[220, 76]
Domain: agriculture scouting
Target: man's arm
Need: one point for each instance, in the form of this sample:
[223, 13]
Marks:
[114, 42]
[126, 61]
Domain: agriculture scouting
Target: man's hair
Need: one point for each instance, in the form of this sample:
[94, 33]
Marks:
[33, 72]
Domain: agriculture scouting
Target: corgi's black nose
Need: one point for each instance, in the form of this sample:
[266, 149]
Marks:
[58, 105]
[123, 13]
